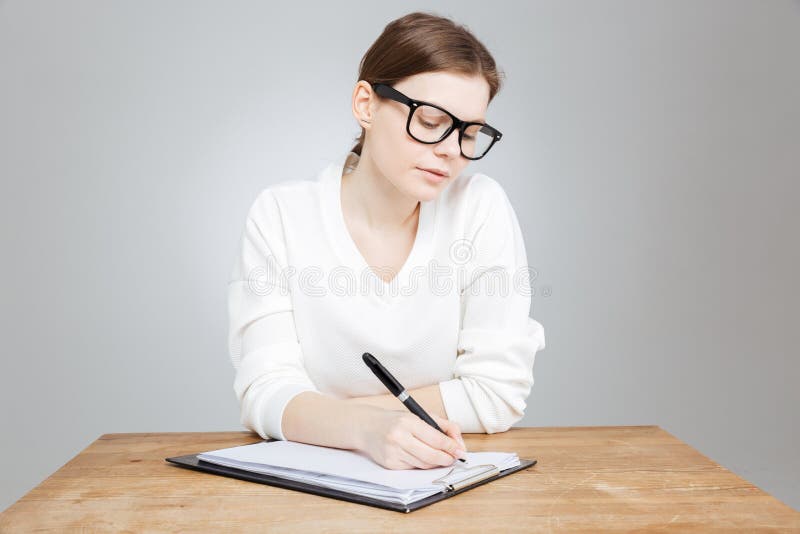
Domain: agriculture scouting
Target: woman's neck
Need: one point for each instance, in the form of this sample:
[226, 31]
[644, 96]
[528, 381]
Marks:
[376, 202]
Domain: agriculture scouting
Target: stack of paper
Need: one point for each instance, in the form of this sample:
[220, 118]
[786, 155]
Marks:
[352, 471]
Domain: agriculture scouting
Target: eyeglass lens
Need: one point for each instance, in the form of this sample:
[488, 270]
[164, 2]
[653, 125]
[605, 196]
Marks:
[429, 124]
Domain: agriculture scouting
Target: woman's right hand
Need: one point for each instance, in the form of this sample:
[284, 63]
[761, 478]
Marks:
[398, 439]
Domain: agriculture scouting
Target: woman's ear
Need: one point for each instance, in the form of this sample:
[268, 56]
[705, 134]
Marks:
[364, 101]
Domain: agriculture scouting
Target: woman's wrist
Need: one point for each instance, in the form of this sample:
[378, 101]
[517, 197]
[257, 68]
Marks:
[360, 416]
[318, 419]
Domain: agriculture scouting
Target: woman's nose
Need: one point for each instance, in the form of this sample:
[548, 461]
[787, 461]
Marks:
[449, 145]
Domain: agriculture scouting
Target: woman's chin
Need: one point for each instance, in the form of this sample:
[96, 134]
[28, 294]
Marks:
[427, 191]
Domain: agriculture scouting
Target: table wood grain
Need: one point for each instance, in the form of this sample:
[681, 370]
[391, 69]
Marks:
[622, 478]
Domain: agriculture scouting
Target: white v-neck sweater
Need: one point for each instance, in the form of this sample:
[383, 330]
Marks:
[304, 305]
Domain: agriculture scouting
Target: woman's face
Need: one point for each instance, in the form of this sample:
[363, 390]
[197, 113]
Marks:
[398, 156]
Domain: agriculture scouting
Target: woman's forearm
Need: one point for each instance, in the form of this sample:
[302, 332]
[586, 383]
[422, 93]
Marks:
[429, 397]
[311, 417]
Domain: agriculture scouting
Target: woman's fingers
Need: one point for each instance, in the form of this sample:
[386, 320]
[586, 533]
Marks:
[452, 430]
[401, 440]
[425, 456]
[437, 440]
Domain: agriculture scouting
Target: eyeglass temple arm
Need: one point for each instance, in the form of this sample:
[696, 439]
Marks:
[390, 92]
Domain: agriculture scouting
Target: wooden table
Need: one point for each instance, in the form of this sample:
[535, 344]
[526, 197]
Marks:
[591, 478]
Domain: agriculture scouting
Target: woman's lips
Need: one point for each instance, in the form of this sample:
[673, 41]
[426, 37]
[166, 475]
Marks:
[432, 176]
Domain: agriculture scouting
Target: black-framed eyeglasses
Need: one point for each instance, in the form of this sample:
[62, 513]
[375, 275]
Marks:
[430, 124]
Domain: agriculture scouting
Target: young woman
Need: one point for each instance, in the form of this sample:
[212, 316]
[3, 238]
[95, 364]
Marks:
[392, 251]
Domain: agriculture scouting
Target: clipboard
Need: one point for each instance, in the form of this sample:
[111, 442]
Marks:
[490, 473]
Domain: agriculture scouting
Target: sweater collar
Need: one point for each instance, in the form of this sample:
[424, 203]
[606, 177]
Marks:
[347, 251]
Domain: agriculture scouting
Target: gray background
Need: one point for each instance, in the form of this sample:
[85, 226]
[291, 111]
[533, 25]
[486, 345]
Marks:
[650, 150]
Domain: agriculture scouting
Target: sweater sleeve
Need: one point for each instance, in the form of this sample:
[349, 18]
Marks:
[497, 342]
[262, 339]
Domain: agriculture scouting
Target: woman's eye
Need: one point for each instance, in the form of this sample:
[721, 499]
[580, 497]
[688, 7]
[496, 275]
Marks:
[428, 124]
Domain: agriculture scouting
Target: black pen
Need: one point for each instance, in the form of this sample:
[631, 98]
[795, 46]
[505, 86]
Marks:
[400, 392]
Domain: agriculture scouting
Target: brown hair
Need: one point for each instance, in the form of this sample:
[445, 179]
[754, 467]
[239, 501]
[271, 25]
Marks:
[424, 42]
